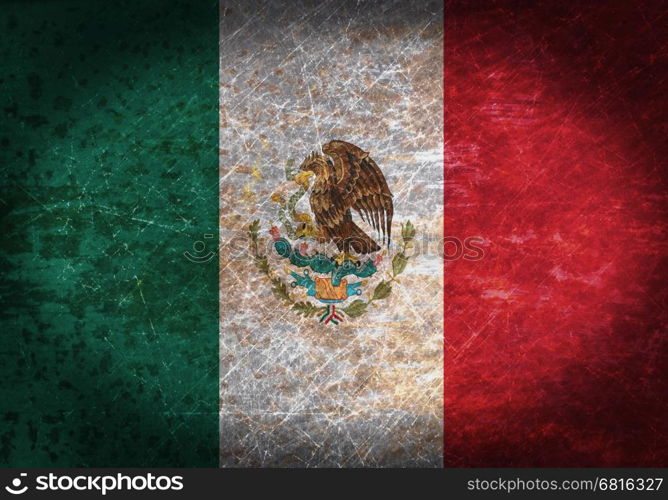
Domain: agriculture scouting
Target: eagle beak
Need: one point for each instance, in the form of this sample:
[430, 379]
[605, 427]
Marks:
[302, 178]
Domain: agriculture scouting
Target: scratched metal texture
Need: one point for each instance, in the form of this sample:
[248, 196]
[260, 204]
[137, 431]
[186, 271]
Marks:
[556, 346]
[294, 75]
[108, 153]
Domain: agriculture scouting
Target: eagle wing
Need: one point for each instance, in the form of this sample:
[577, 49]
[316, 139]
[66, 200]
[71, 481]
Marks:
[365, 189]
[352, 181]
[329, 210]
[334, 218]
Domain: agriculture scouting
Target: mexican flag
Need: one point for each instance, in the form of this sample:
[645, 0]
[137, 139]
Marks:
[332, 234]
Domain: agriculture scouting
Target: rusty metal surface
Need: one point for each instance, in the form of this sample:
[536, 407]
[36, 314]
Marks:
[294, 75]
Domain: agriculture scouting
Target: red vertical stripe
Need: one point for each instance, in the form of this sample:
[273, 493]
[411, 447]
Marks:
[554, 128]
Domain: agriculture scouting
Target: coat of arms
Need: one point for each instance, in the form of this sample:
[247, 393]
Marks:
[331, 266]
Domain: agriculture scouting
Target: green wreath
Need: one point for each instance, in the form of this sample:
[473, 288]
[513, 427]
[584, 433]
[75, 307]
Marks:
[358, 307]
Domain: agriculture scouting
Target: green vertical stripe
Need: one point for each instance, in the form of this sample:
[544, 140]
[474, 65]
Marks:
[109, 161]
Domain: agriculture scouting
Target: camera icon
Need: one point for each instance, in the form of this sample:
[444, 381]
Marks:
[199, 257]
[15, 487]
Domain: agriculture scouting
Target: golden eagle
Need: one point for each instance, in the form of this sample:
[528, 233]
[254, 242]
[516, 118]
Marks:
[349, 180]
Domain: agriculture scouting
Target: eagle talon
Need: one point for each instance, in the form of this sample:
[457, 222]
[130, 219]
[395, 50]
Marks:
[305, 227]
[340, 258]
